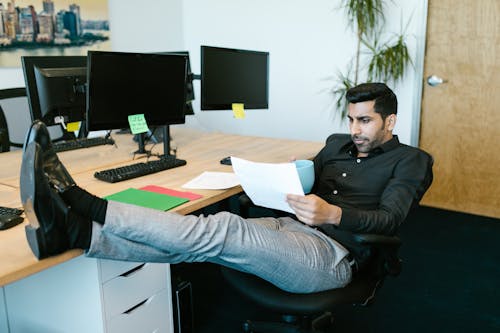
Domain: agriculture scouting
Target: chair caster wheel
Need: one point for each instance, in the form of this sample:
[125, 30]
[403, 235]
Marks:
[247, 327]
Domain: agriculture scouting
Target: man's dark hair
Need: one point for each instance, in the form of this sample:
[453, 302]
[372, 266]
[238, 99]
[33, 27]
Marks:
[386, 102]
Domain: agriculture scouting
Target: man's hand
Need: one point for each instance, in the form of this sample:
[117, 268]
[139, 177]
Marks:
[313, 210]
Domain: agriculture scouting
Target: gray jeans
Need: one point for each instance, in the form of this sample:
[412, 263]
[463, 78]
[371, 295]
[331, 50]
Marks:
[285, 252]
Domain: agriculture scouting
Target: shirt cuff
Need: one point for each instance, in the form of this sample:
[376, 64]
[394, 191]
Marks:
[349, 220]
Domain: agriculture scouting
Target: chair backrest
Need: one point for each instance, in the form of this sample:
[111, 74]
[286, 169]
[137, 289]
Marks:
[4, 134]
[337, 136]
[15, 109]
[15, 106]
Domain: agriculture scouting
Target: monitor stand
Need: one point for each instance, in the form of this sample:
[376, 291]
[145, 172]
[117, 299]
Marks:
[82, 133]
[166, 140]
[166, 143]
[141, 146]
[67, 136]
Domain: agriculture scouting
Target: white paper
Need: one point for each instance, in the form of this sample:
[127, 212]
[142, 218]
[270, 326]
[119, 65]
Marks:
[210, 180]
[267, 184]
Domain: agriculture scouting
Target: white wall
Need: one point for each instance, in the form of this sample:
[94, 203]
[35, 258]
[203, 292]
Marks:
[308, 42]
[146, 26]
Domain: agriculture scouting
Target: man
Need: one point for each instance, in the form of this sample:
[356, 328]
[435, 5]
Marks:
[366, 183]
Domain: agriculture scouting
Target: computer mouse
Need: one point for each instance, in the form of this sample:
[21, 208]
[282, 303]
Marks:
[226, 160]
[9, 220]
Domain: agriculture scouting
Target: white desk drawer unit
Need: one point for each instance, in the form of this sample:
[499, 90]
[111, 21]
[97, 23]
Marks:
[128, 289]
[90, 295]
[136, 297]
[148, 317]
[112, 268]
[3, 313]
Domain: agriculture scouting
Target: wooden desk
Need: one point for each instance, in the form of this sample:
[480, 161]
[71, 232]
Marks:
[202, 151]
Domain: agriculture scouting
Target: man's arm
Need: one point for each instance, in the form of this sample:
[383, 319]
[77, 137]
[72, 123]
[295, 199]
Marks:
[412, 177]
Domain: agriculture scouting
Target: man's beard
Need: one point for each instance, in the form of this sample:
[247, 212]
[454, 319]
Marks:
[367, 145]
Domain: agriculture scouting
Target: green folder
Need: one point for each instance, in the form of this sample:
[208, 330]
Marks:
[147, 199]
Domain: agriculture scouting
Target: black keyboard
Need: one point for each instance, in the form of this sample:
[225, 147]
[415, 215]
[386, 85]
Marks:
[82, 143]
[138, 169]
[10, 211]
[10, 217]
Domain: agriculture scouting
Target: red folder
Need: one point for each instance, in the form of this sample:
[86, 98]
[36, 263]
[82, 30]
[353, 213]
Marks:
[163, 190]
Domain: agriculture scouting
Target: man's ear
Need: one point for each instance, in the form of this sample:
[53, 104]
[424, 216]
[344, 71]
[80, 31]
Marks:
[391, 121]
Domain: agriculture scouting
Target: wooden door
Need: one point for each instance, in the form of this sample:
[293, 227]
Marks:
[461, 118]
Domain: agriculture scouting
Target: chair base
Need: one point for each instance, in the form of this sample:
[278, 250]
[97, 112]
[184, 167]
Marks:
[291, 324]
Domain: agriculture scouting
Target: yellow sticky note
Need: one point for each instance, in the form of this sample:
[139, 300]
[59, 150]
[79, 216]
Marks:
[238, 110]
[137, 123]
[73, 127]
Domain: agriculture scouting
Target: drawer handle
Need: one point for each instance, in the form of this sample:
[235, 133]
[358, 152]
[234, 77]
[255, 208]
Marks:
[133, 270]
[129, 311]
[132, 309]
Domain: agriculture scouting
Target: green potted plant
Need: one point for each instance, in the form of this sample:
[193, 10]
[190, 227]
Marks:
[378, 57]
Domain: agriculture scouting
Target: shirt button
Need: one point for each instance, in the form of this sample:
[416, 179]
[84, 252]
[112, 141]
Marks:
[358, 160]
[344, 174]
[335, 191]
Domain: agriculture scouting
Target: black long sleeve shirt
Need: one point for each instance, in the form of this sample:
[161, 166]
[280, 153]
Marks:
[375, 192]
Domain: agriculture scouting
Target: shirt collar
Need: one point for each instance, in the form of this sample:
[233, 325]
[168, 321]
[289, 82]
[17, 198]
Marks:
[350, 147]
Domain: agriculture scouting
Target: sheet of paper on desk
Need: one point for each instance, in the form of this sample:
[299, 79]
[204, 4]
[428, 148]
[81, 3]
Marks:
[210, 180]
[268, 183]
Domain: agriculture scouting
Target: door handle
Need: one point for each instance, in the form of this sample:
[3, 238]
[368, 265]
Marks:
[434, 80]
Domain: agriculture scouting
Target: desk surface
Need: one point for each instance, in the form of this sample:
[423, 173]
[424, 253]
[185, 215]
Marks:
[201, 150]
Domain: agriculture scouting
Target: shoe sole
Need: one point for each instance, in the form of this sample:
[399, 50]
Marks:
[28, 134]
[34, 234]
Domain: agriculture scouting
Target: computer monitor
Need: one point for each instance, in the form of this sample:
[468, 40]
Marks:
[234, 76]
[121, 84]
[55, 87]
[189, 84]
[61, 93]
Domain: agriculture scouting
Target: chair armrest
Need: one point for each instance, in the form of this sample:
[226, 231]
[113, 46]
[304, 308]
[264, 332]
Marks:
[374, 239]
[4, 140]
[386, 248]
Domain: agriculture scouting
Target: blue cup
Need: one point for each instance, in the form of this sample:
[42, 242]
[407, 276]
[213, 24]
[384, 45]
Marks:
[305, 168]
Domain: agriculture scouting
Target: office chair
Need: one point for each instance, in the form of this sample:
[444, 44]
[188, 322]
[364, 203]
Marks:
[312, 312]
[15, 117]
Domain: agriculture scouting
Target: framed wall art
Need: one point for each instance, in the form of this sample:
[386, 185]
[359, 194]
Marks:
[51, 27]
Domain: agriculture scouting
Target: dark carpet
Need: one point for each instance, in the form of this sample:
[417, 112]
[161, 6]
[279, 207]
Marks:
[450, 283]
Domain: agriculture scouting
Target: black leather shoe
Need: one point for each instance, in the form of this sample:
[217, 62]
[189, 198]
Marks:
[46, 211]
[54, 169]
[38, 133]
